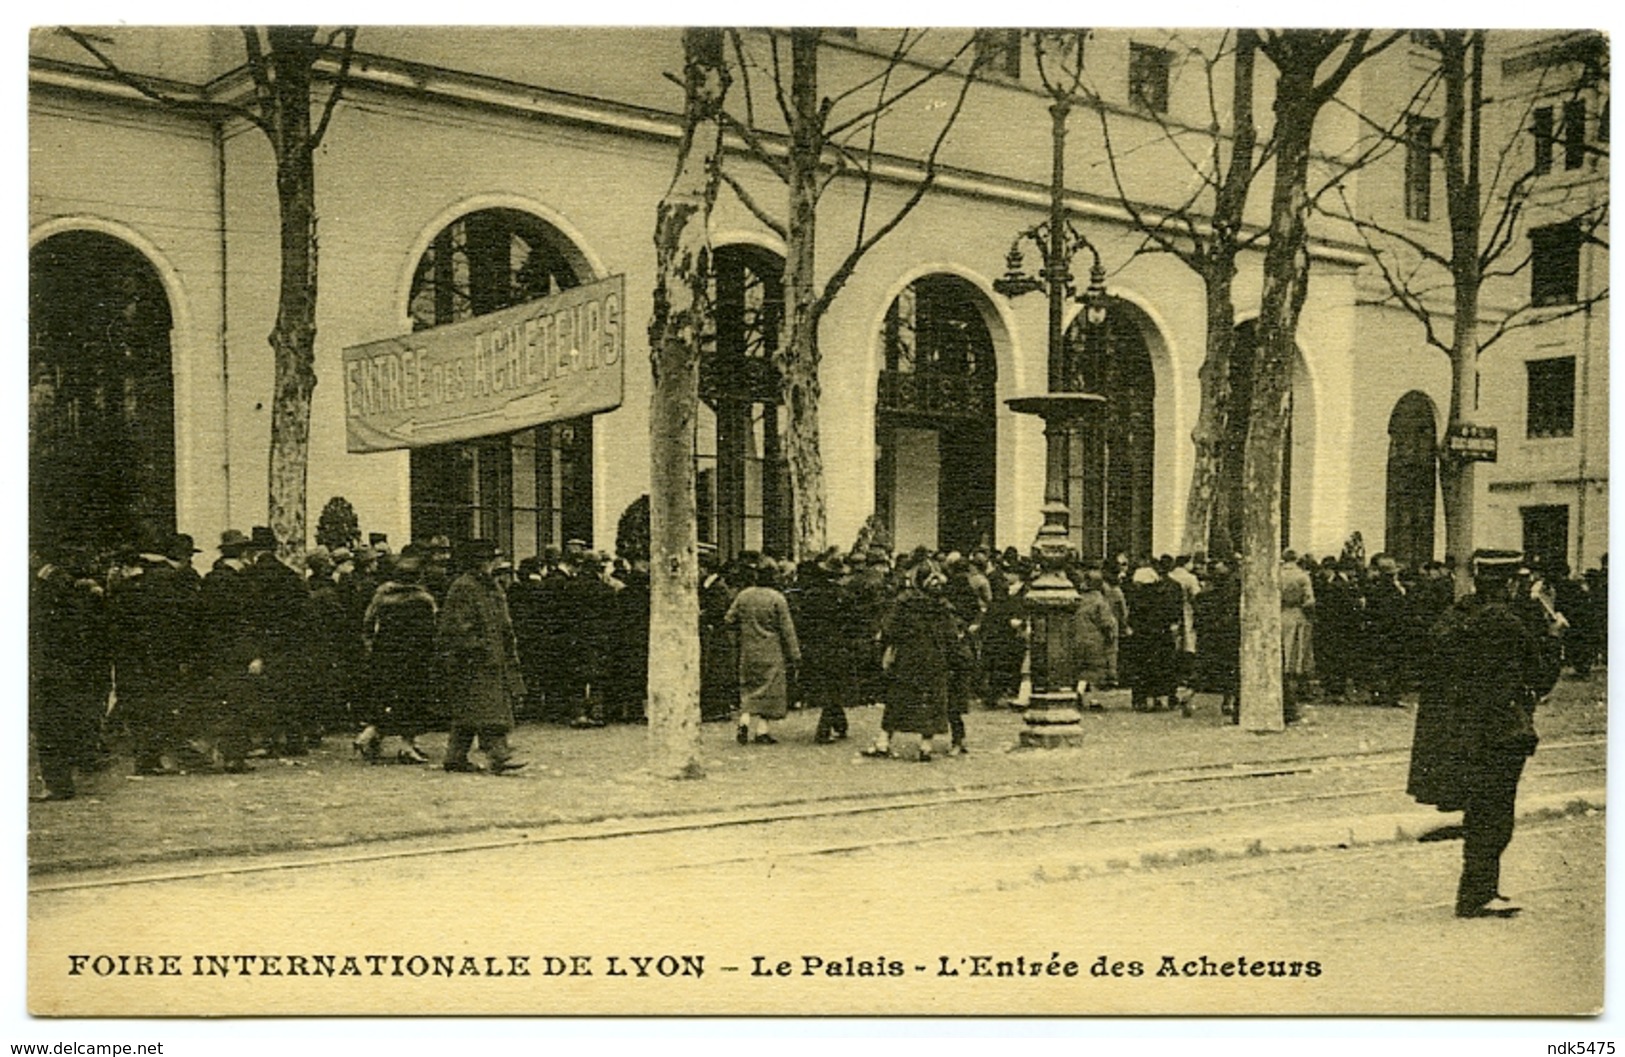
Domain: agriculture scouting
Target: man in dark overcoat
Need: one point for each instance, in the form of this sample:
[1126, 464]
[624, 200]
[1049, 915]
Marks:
[1492, 660]
[480, 661]
[69, 670]
[152, 619]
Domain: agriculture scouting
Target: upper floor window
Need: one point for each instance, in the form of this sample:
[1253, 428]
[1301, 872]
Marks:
[1554, 264]
[1574, 134]
[1550, 408]
[1419, 167]
[999, 51]
[1543, 128]
[1148, 77]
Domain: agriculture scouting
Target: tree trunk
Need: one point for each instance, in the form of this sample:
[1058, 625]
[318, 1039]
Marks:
[293, 338]
[683, 250]
[1286, 282]
[797, 357]
[1218, 270]
[1213, 419]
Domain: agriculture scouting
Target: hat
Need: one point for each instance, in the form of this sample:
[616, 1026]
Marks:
[262, 539]
[233, 543]
[180, 547]
[342, 555]
[1488, 562]
[477, 551]
[378, 539]
[439, 543]
[878, 557]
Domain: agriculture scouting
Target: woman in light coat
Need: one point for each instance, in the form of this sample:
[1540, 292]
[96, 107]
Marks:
[768, 650]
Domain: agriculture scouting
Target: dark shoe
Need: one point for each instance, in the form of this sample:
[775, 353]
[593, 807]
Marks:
[411, 755]
[926, 757]
[766, 739]
[586, 723]
[460, 767]
[822, 738]
[1499, 907]
[743, 737]
[874, 752]
[507, 766]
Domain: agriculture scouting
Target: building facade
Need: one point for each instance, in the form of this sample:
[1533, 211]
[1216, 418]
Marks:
[468, 171]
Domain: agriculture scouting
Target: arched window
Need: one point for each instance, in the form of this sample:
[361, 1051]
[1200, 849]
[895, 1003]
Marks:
[935, 418]
[101, 399]
[742, 482]
[1111, 463]
[528, 489]
[1412, 480]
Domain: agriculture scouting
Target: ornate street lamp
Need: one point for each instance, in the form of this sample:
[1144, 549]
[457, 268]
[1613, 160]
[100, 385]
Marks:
[1053, 603]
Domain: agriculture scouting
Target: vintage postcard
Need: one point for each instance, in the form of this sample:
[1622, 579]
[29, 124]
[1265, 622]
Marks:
[833, 521]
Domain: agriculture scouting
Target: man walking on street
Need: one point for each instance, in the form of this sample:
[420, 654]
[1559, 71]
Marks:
[476, 645]
[1492, 661]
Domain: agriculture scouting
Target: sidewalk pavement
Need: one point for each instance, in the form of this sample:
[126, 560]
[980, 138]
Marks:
[333, 799]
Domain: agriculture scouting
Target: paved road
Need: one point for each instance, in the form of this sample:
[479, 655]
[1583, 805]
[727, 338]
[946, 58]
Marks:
[918, 911]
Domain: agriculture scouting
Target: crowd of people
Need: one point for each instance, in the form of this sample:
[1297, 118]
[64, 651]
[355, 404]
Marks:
[201, 671]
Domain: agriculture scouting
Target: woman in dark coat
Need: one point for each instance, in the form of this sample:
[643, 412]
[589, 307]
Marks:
[919, 636]
[1149, 657]
[828, 673]
[1218, 637]
[480, 660]
[399, 633]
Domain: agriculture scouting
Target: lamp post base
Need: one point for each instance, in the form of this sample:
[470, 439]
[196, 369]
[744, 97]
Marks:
[1054, 723]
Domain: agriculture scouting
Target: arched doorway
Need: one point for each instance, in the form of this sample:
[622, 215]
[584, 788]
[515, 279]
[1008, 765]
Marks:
[741, 478]
[1111, 464]
[934, 421]
[101, 398]
[1413, 479]
[1224, 537]
[525, 490]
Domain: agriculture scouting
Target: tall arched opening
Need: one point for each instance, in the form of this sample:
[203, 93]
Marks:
[1413, 480]
[101, 398]
[1112, 461]
[741, 478]
[527, 489]
[935, 440]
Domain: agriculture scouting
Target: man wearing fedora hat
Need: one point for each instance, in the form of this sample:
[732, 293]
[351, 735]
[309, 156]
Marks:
[1492, 661]
[480, 660]
[151, 615]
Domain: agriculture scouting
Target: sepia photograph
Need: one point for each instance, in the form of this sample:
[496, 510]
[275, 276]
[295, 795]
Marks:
[716, 521]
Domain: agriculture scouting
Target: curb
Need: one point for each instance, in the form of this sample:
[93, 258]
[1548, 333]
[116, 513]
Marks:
[1354, 831]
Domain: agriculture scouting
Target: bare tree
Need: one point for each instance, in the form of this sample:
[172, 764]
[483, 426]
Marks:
[681, 311]
[1207, 232]
[827, 139]
[282, 65]
[1301, 91]
[1484, 247]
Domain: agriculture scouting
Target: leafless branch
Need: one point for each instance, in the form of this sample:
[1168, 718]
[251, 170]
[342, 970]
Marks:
[755, 144]
[348, 33]
[150, 91]
[847, 266]
[751, 204]
[885, 103]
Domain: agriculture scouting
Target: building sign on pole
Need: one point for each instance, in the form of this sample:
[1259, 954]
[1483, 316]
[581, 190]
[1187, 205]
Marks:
[553, 358]
[1467, 443]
